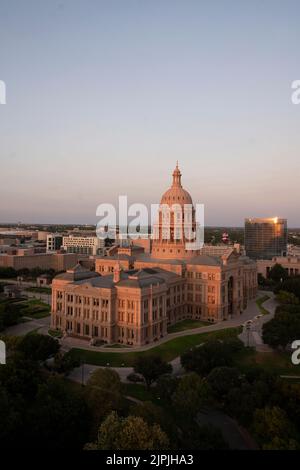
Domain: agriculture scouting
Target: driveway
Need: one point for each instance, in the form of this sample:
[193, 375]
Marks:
[252, 336]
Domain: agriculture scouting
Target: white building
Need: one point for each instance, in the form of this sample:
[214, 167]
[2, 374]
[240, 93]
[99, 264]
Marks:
[54, 242]
[83, 245]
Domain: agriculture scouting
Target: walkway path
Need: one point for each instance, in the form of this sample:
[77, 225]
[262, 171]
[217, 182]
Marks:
[42, 324]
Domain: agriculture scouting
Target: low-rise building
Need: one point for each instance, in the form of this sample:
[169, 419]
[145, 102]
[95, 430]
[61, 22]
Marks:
[56, 261]
[130, 307]
[43, 280]
[290, 263]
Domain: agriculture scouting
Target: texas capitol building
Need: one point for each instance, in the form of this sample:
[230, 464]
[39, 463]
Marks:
[133, 296]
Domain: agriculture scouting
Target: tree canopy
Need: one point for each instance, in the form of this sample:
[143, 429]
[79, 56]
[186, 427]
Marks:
[151, 367]
[117, 433]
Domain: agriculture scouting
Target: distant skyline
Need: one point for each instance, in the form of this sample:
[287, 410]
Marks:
[103, 97]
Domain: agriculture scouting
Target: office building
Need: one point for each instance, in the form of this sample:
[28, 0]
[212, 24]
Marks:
[265, 237]
[83, 245]
[54, 242]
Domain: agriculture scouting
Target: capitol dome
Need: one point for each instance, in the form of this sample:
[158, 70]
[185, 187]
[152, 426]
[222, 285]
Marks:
[171, 232]
[176, 194]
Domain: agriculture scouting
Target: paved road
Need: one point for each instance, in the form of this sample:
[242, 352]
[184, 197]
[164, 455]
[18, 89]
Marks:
[253, 336]
[82, 374]
[43, 325]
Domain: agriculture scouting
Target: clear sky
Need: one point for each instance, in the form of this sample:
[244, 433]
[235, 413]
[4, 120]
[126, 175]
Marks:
[104, 96]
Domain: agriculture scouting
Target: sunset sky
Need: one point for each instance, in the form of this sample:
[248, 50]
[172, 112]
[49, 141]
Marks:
[104, 96]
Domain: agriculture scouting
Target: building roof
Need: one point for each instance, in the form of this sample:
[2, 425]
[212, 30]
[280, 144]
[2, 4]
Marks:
[144, 257]
[205, 260]
[176, 194]
[77, 273]
[116, 257]
[135, 278]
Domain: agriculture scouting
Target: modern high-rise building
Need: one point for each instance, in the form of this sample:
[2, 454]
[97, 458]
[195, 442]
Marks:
[265, 237]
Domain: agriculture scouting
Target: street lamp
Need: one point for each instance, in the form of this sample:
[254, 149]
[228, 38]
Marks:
[248, 327]
[82, 372]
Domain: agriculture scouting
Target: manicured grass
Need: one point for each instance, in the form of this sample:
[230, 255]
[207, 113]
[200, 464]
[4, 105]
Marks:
[275, 362]
[167, 351]
[34, 308]
[186, 325]
[259, 303]
[55, 333]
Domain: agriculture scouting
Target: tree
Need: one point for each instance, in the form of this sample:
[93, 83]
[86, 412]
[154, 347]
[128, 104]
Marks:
[9, 419]
[205, 437]
[277, 273]
[282, 329]
[290, 285]
[288, 298]
[192, 393]
[153, 414]
[64, 363]
[9, 315]
[253, 390]
[59, 418]
[21, 378]
[212, 354]
[105, 379]
[222, 380]
[117, 433]
[103, 395]
[261, 279]
[165, 387]
[38, 347]
[151, 367]
[274, 430]
[7, 273]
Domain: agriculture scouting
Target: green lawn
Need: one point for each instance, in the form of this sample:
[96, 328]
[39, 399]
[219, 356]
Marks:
[168, 351]
[55, 333]
[34, 308]
[275, 362]
[260, 302]
[186, 325]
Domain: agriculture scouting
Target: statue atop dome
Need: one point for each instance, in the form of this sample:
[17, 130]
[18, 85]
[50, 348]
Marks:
[177, 177]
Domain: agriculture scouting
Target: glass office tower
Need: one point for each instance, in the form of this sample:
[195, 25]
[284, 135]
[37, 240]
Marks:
[265, 238]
